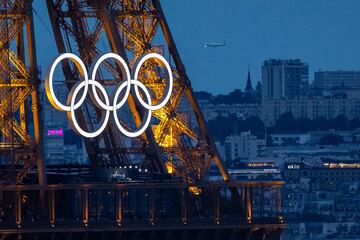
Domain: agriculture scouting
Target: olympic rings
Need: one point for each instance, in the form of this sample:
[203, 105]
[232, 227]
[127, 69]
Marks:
[130, 78]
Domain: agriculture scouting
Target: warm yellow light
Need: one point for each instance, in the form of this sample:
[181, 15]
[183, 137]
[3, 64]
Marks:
[195, 190]
[343, 165]
[168, 142]
[169, 167]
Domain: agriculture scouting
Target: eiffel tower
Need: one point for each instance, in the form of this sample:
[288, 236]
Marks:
[21, 141]
[174, 144]
[177, 142]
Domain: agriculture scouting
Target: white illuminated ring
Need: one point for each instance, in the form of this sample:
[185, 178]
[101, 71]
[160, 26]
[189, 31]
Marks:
[143, 124]
[71, 114]
[49, 81]
[125, 73]
[72, 106]
[165, 98]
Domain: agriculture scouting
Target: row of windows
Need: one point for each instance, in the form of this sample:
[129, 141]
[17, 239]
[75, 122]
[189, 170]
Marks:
[327, 172]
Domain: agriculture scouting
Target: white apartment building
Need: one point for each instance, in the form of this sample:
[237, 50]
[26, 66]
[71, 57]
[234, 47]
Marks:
[52, 116]
[57, 152]
[243, 146]
[290, 139]
[310, 108]
[327, 80]
[240, 110]
[284, 79]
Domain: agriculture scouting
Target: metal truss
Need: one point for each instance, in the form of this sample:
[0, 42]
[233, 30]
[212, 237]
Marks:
[132, 28]
[21, 142]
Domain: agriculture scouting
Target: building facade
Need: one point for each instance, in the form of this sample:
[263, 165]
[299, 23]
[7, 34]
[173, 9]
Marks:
[56, 125]
[290, 139]
[329, 176]
[240, 110]
[327, 80]
[243, 146]
[310, 108]
[284, 79]
[52, 117]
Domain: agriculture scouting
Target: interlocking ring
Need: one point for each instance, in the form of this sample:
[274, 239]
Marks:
[130, 79]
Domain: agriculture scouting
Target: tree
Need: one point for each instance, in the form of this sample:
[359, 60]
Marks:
[338, 123]
[236, 96]
[331, 139]
[203, 95]
[304, 124]
[354, 123]
[221, 127]
[320, 123]
[255, 125]
[286, 123]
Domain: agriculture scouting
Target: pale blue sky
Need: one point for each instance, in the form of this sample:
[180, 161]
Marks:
[323, 33]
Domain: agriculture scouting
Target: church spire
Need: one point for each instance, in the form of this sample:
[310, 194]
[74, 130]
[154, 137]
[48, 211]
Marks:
[249, 88]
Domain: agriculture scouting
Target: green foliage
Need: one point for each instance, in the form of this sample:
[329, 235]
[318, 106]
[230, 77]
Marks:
[234, 97]
[221, 127]
[201, 95]
[287, 123]
[331, 139]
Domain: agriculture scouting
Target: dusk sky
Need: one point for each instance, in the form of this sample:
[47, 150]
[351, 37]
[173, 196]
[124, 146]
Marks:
[323, 33]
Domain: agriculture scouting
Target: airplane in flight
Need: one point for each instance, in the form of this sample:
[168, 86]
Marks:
[223, 44]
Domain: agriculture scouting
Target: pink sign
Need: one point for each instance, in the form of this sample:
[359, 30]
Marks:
[58, 132]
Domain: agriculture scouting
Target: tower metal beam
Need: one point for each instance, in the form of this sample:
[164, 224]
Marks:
[130, 26]
[21, 146]
[189, 92]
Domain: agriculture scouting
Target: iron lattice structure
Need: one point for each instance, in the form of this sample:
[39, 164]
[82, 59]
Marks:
[21, 142]
[132, 28]
[129, 28]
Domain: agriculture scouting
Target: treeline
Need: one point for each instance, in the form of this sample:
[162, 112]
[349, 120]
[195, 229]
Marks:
[234, 97]
[221, 127]
[288, 123]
